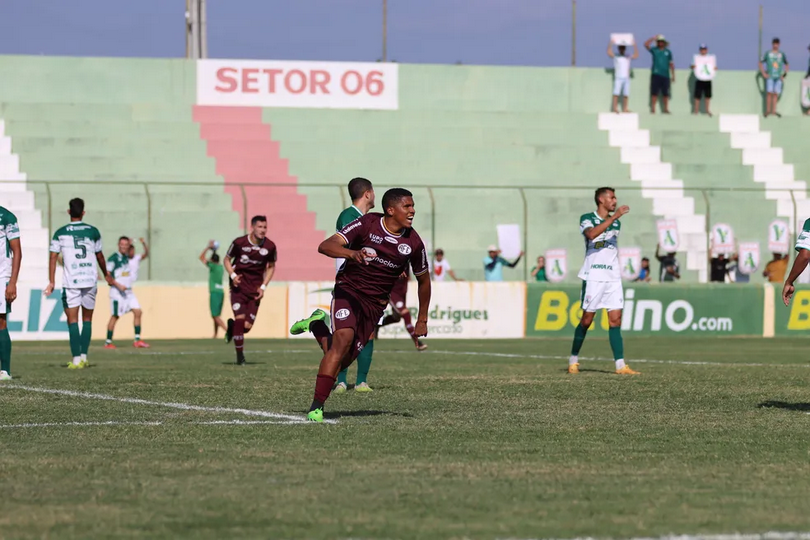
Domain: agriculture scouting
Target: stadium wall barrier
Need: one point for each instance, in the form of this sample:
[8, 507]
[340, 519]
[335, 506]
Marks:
[794, 320]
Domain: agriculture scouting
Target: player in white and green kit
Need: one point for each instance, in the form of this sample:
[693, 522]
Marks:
[799, 264]
[10, 258]
[601, 276]
[80, 246]
[124, 265]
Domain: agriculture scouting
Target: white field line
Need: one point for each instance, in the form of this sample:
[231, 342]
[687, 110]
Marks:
[183, 406]
[126, 423]
[732, 536]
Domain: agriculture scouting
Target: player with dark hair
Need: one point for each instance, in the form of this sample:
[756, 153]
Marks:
[216, 291]
[250, 262]
[377, 248]
[601, 277]
[124, 266]
[400, 311]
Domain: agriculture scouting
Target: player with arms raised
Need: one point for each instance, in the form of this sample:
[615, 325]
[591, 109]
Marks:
[601, 276]
[79, 244]
[10, 259]
[250, 262]
[377, 249]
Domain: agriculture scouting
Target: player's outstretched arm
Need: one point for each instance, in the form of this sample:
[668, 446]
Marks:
[798, 267]
[453, 275]
[51, 273]
[108, 277]
[335, 248]
[11, 286]
[145, 248]
[423, 290]
[204, 255]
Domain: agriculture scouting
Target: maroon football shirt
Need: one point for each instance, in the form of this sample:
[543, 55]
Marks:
[388, 255]
[250, 260]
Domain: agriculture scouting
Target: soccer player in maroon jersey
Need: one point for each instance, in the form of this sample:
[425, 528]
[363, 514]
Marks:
[377, 249]
[250, 262]
[400, 311]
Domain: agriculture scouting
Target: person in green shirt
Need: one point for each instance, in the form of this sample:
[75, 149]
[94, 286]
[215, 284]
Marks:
[662, 68]
[539, 271]
[774, 68]
[216, 290]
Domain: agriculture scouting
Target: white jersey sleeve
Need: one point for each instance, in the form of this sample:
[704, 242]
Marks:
[803, 239]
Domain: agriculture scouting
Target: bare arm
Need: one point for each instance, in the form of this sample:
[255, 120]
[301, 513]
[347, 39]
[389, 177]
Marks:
[672, 70]
[610, 49]
[236, 278]
[787, 68]
[204, 254]
[335, 248]
[145, 248]
[635, 51]
[423, 281]
[593, 232]
[268, 275]
[798, 267]
[108, 277]
[11, 287]
[762, 68]
[51, 273]
[535, 270]
[515, 262]
[649, 42]
[453, 275]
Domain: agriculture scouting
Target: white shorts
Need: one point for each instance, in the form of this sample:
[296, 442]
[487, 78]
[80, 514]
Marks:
[85, 297]
[621, 87]
[122, 303]
[598, 295]
[5, 307]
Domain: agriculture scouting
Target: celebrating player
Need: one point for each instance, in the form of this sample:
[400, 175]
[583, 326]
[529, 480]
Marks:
[124, 266]
[802, 259]
[250, 262]
[361, 192]
[216, 292]
[400, 312]
[377, 249]
[601, 276]
[10, 258]
[80, 246]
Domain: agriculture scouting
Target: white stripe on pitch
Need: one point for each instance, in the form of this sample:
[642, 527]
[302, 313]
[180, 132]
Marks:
[732, 536]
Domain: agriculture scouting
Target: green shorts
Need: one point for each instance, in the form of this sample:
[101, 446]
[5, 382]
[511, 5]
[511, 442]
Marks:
[215, 303]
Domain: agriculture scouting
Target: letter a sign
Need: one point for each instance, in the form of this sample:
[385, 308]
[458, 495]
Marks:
[630, 260]
[668, 235]
[556, 265]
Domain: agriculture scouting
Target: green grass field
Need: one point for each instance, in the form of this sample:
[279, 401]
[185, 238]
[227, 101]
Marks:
[472, 439]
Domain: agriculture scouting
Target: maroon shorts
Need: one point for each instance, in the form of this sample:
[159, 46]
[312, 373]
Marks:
[398, 294]
[361, 314]
[244, 304]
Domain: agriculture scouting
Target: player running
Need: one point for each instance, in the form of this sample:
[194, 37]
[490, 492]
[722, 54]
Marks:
[10, 259]
[601, 276]
[216, 291]
[80, 246]
[377, 249]
[124, 266]
[250, 262]
[400, 311]
[361, 191]
[799, 264]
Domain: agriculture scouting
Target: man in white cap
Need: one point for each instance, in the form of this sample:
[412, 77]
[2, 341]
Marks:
[494, 263]
[703, 84]
[662, 68]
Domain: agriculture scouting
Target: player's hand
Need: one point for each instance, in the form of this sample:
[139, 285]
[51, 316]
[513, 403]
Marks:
[11, 292]
[49, 289]
[766, 76]
[787, 293]
[260, 294]
[210, 244]
[620, 211]
[359, 256]
[141, 240]
[237, 280]
[420, 330]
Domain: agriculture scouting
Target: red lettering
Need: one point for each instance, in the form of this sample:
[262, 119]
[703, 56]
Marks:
[374, 83]
[302, 80]
[247, 80]
[358, 82]
[224, 76]
[318, 79]
[271, 79]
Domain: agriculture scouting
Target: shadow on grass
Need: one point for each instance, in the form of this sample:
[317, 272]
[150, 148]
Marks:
[246, 363]
[801, 407]
[590, 370]
[362, 414]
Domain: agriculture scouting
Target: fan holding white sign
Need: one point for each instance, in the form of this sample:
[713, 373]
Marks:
[704, 66]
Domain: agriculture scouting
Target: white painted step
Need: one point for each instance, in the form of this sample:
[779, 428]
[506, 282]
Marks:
[28, 219]
[759, 139]
[5, 146]
[629, 138]
[671, 208]
[9, 164]
[620, 122]
[730, 123]
[20, 176]
[773, 173]
[785, 190]
[694, 242]
[662, 195]
[641, 154]
[19, 200]
[762, 156]
[651, 171]
[696, 260]
[694, 224]
[35, 236]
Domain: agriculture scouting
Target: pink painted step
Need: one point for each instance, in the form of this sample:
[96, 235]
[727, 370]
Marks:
[291, 226]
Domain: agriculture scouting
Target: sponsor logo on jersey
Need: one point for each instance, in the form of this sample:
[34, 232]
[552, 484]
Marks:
[376, 239]
[263, 252]
[247, 248]
[353, 225]
[236, 306]
[391, 240]
[244, 259]
[369, 253]
[342, 314]
[601, 267]
[405, 249]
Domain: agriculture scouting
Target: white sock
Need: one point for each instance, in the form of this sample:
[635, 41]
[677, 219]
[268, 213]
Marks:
[620, 363]
[573, 360]
[84, 358]
[77, 360]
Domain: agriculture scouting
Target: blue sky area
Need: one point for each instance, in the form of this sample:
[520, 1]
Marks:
[501, 32]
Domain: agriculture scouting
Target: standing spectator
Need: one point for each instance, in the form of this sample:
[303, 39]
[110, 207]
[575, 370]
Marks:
[670, 270]
[644, 274]
[539, 271]
[662, 67]
[494, 263]
[621, 75]
[776, 269]
[774, 68]
[441, 267]
[807, 110]
[734, 265]
[703, 89]
[719, 269]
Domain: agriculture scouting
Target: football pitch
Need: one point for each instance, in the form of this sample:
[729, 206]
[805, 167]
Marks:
[470, 439]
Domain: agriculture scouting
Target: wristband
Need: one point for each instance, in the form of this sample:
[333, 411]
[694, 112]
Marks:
[233, 275]
[263, 287]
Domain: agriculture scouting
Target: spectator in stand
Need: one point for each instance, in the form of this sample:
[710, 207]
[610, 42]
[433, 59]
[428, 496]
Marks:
[670, 270]
[807, 111]
[703, 89]
[774, 68]
[719, 269]
[644, 274]
[662, 68]
[441, 267]
[494, 263]
[621, 75]
[539, 271]
[734, 266]
[776, 269]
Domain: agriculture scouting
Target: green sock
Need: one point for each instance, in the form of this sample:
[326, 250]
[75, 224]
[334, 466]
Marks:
[137, 333]
[364, 362]
[5, 351]
[75, 340]
[342, 376]
[87, 333]
[109, 336]
[616, 342]
[579, 338]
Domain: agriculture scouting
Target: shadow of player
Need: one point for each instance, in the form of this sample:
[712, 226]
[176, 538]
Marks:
[800, 407]
[362, 414]
[246, 363]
